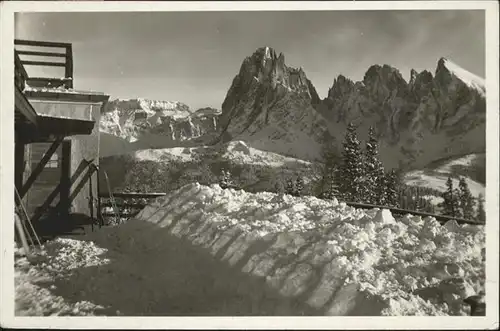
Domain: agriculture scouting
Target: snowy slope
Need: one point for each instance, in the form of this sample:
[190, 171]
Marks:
[341, 260]
[236, 151]
[435, 177]
[438, 182]
[472, 80]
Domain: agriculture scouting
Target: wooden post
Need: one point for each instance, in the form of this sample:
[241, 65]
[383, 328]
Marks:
[69, 66]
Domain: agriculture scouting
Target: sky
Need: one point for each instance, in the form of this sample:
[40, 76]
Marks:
[192, 57]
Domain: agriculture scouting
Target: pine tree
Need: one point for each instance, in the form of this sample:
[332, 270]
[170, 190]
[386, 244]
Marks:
[299, 186]
[391, 188]
[450, 201]
[466, 200]
[373, 189]
[226, 180]
[279, 188]
[481, 213]
[352, 167]
[290, 187]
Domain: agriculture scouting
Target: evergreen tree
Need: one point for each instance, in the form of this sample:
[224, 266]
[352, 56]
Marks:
[299, 186]
[450, 201]
[481, 213]
[373, 191]
[226, 180]
[290, 187]
[391, 188]
[279, 187]
[466, 200]
[352, 167]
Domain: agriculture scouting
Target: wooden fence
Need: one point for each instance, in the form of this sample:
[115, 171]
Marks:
[128, 203]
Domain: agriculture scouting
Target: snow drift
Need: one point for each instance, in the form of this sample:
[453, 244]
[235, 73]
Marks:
[341, 260]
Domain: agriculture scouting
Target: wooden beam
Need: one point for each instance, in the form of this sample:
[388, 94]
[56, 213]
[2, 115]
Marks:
[40, 166]
[24, 107]
[124, 205]
[43, 63]
[132, 195]
[19, 66]
[35, 53]
[40, 43]
[69, 65]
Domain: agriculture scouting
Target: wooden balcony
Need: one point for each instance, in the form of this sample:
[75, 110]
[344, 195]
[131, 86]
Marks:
[48, 107]
[37, 49]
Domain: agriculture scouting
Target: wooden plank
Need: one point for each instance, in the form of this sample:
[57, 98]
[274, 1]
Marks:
[40, 43]
[36, 53]
[43, 63]
[69, 64]
[132, 195]
[123, 205]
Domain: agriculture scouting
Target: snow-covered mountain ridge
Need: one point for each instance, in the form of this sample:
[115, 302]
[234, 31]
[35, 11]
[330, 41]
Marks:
[275, 107]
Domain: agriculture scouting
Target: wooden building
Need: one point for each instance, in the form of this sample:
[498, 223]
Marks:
[56, 138]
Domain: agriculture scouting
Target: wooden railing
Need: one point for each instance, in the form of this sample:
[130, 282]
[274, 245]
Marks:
[34, 50]
[398, 211]
[128, 203]
[132, 203]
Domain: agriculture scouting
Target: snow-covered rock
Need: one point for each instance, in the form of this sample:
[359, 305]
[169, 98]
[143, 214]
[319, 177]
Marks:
[137, 119]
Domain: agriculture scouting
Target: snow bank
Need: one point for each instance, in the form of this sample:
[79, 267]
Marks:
[57, 258]
[336, 258]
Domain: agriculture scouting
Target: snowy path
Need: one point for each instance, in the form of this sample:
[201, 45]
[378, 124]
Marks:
[153, 273]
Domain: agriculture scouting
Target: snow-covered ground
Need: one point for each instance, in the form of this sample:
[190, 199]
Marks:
[57, 259]
[207, 251]
[465, 161]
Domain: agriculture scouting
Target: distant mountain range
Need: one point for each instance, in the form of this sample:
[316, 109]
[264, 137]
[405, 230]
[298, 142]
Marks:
[276, 108]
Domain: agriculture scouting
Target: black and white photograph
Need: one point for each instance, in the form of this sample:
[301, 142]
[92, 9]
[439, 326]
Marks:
[214, 160]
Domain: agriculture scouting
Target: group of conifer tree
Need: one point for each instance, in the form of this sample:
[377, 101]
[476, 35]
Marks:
[459, 202]
[358, 175]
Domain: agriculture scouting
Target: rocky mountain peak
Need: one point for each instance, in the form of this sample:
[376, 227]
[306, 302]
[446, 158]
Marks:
[341, 86]
[385, 74]
[420, 83]
[267, 93]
